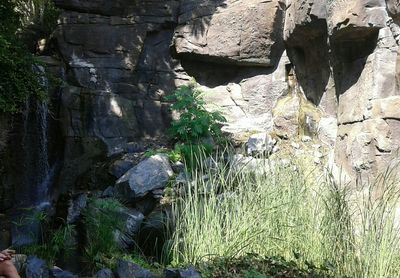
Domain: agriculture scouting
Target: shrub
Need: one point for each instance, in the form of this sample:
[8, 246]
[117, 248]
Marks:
[18, 78]
[195, 122]
[54, 243]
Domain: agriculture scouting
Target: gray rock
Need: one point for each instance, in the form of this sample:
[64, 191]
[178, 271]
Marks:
[260, 143]
[104, 273]
[212, 30]
[133, 220]
[59, 273]
[25, 229]
[240, 163]
[36, 268]
[109, 192]
[190, 272]
[181, 273]
[76, 205]
[127, 269]
[120, 167]
[150, 174]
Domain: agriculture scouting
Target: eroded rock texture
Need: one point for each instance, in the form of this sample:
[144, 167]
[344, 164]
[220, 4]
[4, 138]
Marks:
[323, 68]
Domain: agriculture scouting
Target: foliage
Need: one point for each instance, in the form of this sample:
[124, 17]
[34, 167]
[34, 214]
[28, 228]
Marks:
[53, 242]
[195, 122]
[173, 155]
[278, 212]
[39, 16]
[255, 266]
[101, 221]
[19, 79]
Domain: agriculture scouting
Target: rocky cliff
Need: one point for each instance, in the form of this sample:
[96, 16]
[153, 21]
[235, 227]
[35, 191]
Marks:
[323, 68]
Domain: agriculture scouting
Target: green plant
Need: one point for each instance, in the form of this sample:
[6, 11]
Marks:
[39, 13]
[53, 242]
[195, 122]
[173, 155]
[255, 266]
[101, 222]
[280, 212]
[18, 79]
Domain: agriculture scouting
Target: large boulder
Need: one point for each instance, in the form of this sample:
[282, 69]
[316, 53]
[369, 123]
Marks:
[239, 32]
[352, 19]
[150, 174]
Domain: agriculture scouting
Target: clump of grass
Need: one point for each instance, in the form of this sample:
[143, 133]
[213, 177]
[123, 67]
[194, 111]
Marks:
[53, 242]
[101, 221]
[289, 213]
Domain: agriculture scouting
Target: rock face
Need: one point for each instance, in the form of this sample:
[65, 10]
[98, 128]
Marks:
[328, 69]
[239, 32]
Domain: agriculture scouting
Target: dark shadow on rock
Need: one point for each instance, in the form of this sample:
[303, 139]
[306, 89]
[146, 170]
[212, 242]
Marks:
[214, 74]
[349, 55]
[307, 48]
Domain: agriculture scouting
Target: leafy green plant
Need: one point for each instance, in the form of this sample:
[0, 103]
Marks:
[18, 79]
[54, 242]
[195, 122]
[173, 155]
[42, 14]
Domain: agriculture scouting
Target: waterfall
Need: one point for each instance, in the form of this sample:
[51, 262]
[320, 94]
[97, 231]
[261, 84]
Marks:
[36, 168]
[38, 172]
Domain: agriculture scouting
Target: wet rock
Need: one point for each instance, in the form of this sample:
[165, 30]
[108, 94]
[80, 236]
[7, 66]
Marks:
[59, 273]
[128, 269]
[76, 205]
[36, 268]
[120, 167]
[133, 220]
[104, 273]
[181, 273]
[150, 174]
[26, 229]
[109, 192]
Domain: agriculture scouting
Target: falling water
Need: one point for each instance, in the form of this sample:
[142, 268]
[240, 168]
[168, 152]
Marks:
[35, 170]
[38, 173]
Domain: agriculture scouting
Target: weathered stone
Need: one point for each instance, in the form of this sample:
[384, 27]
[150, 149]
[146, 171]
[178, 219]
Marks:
[213, 31]
[132, 219]
[36, 268]
[260, 143]
[59, 273]
[327, 130]
[145, 10]
[286, 116]
[76, 205]
[152, 173]
[181, 273]
[104, 273]
[355, 19]
[120, 167]
[128, 269]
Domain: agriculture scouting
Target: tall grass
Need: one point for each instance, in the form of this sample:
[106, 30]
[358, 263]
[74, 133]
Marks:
[292, 212]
